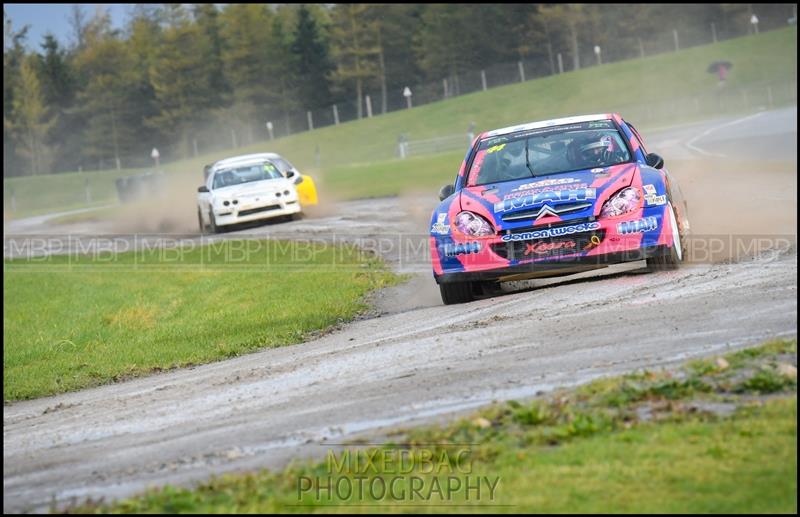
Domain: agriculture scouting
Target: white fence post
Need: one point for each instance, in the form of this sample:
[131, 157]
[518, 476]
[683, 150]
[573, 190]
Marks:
[483, 79]
[675, 35]
[310, 121]
[335, 115]
[369, 106]
[560, 64]
[444, 85]
[521, 72]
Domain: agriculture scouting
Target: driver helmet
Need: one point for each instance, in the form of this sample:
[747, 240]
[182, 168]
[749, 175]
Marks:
[591, 150]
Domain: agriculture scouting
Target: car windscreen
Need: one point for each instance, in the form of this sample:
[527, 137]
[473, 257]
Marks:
[551, 150]
[245, 174]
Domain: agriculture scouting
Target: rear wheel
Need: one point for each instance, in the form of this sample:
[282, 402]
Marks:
[456, 292]
[672, 257]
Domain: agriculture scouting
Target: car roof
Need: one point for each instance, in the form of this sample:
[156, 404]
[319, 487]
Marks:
[245, 159]
[547, 123]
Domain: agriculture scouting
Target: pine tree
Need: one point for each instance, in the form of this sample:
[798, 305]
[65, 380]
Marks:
[312, 63]
[355, 48]
[181, 77]
[30, 118]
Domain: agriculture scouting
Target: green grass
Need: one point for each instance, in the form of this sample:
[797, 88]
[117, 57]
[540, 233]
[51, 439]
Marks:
[423, 173]
[60, 192]
[585, 450]
[74, 322]
[627, 87]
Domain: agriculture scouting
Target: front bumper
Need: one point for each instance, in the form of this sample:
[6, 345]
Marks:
[565, 266]
[255, 212]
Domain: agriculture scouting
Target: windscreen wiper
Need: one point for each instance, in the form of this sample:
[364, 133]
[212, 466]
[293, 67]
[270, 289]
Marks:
[527, 158]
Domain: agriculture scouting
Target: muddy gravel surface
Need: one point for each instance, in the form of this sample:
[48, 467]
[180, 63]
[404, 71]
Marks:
[411, 359]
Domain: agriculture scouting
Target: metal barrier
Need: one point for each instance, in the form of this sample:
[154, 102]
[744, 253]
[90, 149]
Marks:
[433, 145]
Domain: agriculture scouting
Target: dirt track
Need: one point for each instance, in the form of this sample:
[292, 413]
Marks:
[420, 360]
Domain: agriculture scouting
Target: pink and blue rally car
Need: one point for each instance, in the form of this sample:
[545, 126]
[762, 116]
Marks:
[554, 198]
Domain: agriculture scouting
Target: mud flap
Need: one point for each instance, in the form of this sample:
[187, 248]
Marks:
[307, 191]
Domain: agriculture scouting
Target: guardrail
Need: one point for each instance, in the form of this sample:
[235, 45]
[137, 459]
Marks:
[440, 144]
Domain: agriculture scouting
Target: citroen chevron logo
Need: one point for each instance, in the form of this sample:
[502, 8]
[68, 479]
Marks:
[546, 210]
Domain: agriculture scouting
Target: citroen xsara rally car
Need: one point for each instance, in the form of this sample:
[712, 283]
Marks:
[553, 198]
[251, 187]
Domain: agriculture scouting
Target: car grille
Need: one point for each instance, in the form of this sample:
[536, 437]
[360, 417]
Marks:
[259, 209]
[551, 247]
[533, 213]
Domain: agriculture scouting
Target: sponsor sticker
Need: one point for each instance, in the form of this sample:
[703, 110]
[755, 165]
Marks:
[551, 232]
[521, 193]
[649, 189]
[546, 183]
[639, 226]
[653, 200]
[440, 226]
[451, 250]
[543, 248]
[581, 194]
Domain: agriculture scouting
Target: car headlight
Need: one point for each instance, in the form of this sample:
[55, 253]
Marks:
[624, 201]
[473, 225]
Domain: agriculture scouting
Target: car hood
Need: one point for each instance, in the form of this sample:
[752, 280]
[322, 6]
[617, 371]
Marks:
[548, 199]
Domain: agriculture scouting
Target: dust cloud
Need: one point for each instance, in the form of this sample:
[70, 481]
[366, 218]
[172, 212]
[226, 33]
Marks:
[747, 204]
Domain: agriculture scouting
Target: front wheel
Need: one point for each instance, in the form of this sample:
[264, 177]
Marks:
[212, 223]
[200, 222]
[670, 258]
[456, 292]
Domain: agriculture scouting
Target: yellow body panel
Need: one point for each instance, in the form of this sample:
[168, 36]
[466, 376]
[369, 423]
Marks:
[307, 191]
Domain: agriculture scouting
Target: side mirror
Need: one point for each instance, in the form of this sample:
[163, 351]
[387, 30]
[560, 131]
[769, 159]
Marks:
[202, 189]
[290, 174]
[446, 191]
[654, 160]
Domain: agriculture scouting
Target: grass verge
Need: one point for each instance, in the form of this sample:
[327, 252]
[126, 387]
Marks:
[72, 322]
[719, 435]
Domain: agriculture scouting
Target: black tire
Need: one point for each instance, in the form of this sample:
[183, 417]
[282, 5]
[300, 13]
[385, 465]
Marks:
[456, 292]
[200, 222]
[670, 258]
[212, 223]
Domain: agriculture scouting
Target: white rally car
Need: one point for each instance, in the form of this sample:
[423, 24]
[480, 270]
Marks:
[245, 188]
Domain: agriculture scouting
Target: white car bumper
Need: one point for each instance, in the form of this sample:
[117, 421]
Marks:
[255, 212]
